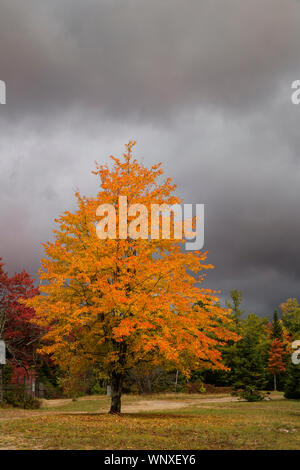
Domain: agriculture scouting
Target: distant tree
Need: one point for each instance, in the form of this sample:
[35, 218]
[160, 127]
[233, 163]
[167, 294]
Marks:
[277, 330]
[276, 363]
[291, 316]
[16, 329]
[292, 384]
[257, 327]
[248, 364]
[234, 305]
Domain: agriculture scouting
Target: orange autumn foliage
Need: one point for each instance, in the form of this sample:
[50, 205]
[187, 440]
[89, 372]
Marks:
[277, 353]
[122, 302]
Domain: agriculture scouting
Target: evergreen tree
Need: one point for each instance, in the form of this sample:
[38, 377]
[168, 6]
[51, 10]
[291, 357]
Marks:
[234, 305]
[292, 384]
[277, 331]
[248, 365]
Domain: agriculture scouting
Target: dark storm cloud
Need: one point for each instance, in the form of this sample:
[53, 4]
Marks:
[149, 59]
[204, 86]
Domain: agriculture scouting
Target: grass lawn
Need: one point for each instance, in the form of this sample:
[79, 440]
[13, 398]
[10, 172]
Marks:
[199, 424]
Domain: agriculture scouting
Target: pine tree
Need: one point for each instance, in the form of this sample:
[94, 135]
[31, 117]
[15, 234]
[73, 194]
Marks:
[277, 331]
[236, 312]
[292, 384]
[247, 365]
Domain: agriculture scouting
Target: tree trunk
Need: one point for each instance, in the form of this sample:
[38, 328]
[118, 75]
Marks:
[116, 392]
[176, 381]
[275, 385]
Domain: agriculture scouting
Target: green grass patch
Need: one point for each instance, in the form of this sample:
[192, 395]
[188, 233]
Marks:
[239, 425]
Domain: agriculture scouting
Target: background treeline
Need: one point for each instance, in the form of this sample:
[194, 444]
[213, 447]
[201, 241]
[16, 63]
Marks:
[260, 360]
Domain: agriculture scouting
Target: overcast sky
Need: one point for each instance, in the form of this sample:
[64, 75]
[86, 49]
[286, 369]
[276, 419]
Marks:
[204, 86]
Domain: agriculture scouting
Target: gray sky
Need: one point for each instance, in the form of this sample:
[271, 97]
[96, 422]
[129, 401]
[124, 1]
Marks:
[203, 86]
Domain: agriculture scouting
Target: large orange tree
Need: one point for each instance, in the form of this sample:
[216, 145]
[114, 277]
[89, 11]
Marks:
[122, 302]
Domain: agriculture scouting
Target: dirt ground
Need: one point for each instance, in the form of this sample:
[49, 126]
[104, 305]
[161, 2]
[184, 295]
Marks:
[137, 406]
[149, 405]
